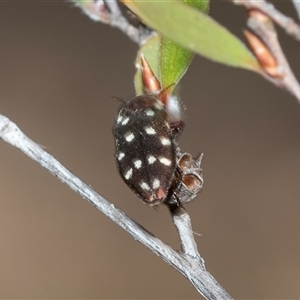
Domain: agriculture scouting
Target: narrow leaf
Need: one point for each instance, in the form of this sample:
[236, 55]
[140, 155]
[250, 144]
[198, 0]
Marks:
[202, 5]
[174, 61]
[194, 31]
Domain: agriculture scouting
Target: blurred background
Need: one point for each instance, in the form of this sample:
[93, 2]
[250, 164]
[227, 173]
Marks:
[58, 71]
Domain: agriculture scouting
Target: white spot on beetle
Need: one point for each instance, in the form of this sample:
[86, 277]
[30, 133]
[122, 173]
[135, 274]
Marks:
[149, 112]
[120, 118]
[165, 161]
[129, 136]
[145, 186]
[120, 156]
[128, 174]
[156, 183]
[149, 130]
[151, 159]
[137, 163]
[165, 141]
[125, 121]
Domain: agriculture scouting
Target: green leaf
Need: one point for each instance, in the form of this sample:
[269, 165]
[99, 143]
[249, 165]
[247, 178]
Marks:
[202, 5]
[194, 31]
[174, 61]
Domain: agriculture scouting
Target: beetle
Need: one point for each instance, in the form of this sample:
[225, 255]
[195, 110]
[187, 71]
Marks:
[145, 148]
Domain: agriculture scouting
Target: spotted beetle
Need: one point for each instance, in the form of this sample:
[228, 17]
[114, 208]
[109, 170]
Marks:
[145, 148]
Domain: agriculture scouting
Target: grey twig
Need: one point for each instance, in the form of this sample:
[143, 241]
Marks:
[109, 12]
[288, 24]
[268, 34]
[260, 15]
[297, 7]
[189, 263]
[182, 222]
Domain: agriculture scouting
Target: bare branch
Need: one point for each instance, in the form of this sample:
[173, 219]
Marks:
[268, 34]
[288, 24]
[260, 15]
[109, 12]
[297, 7]
[183, 225]
[187, 265]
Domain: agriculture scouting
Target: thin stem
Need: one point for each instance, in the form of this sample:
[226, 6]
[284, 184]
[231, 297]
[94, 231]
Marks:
[109, 12]
[288, 24]
[268, 34]
[182, 222]
[297, 7]
[260, 19]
